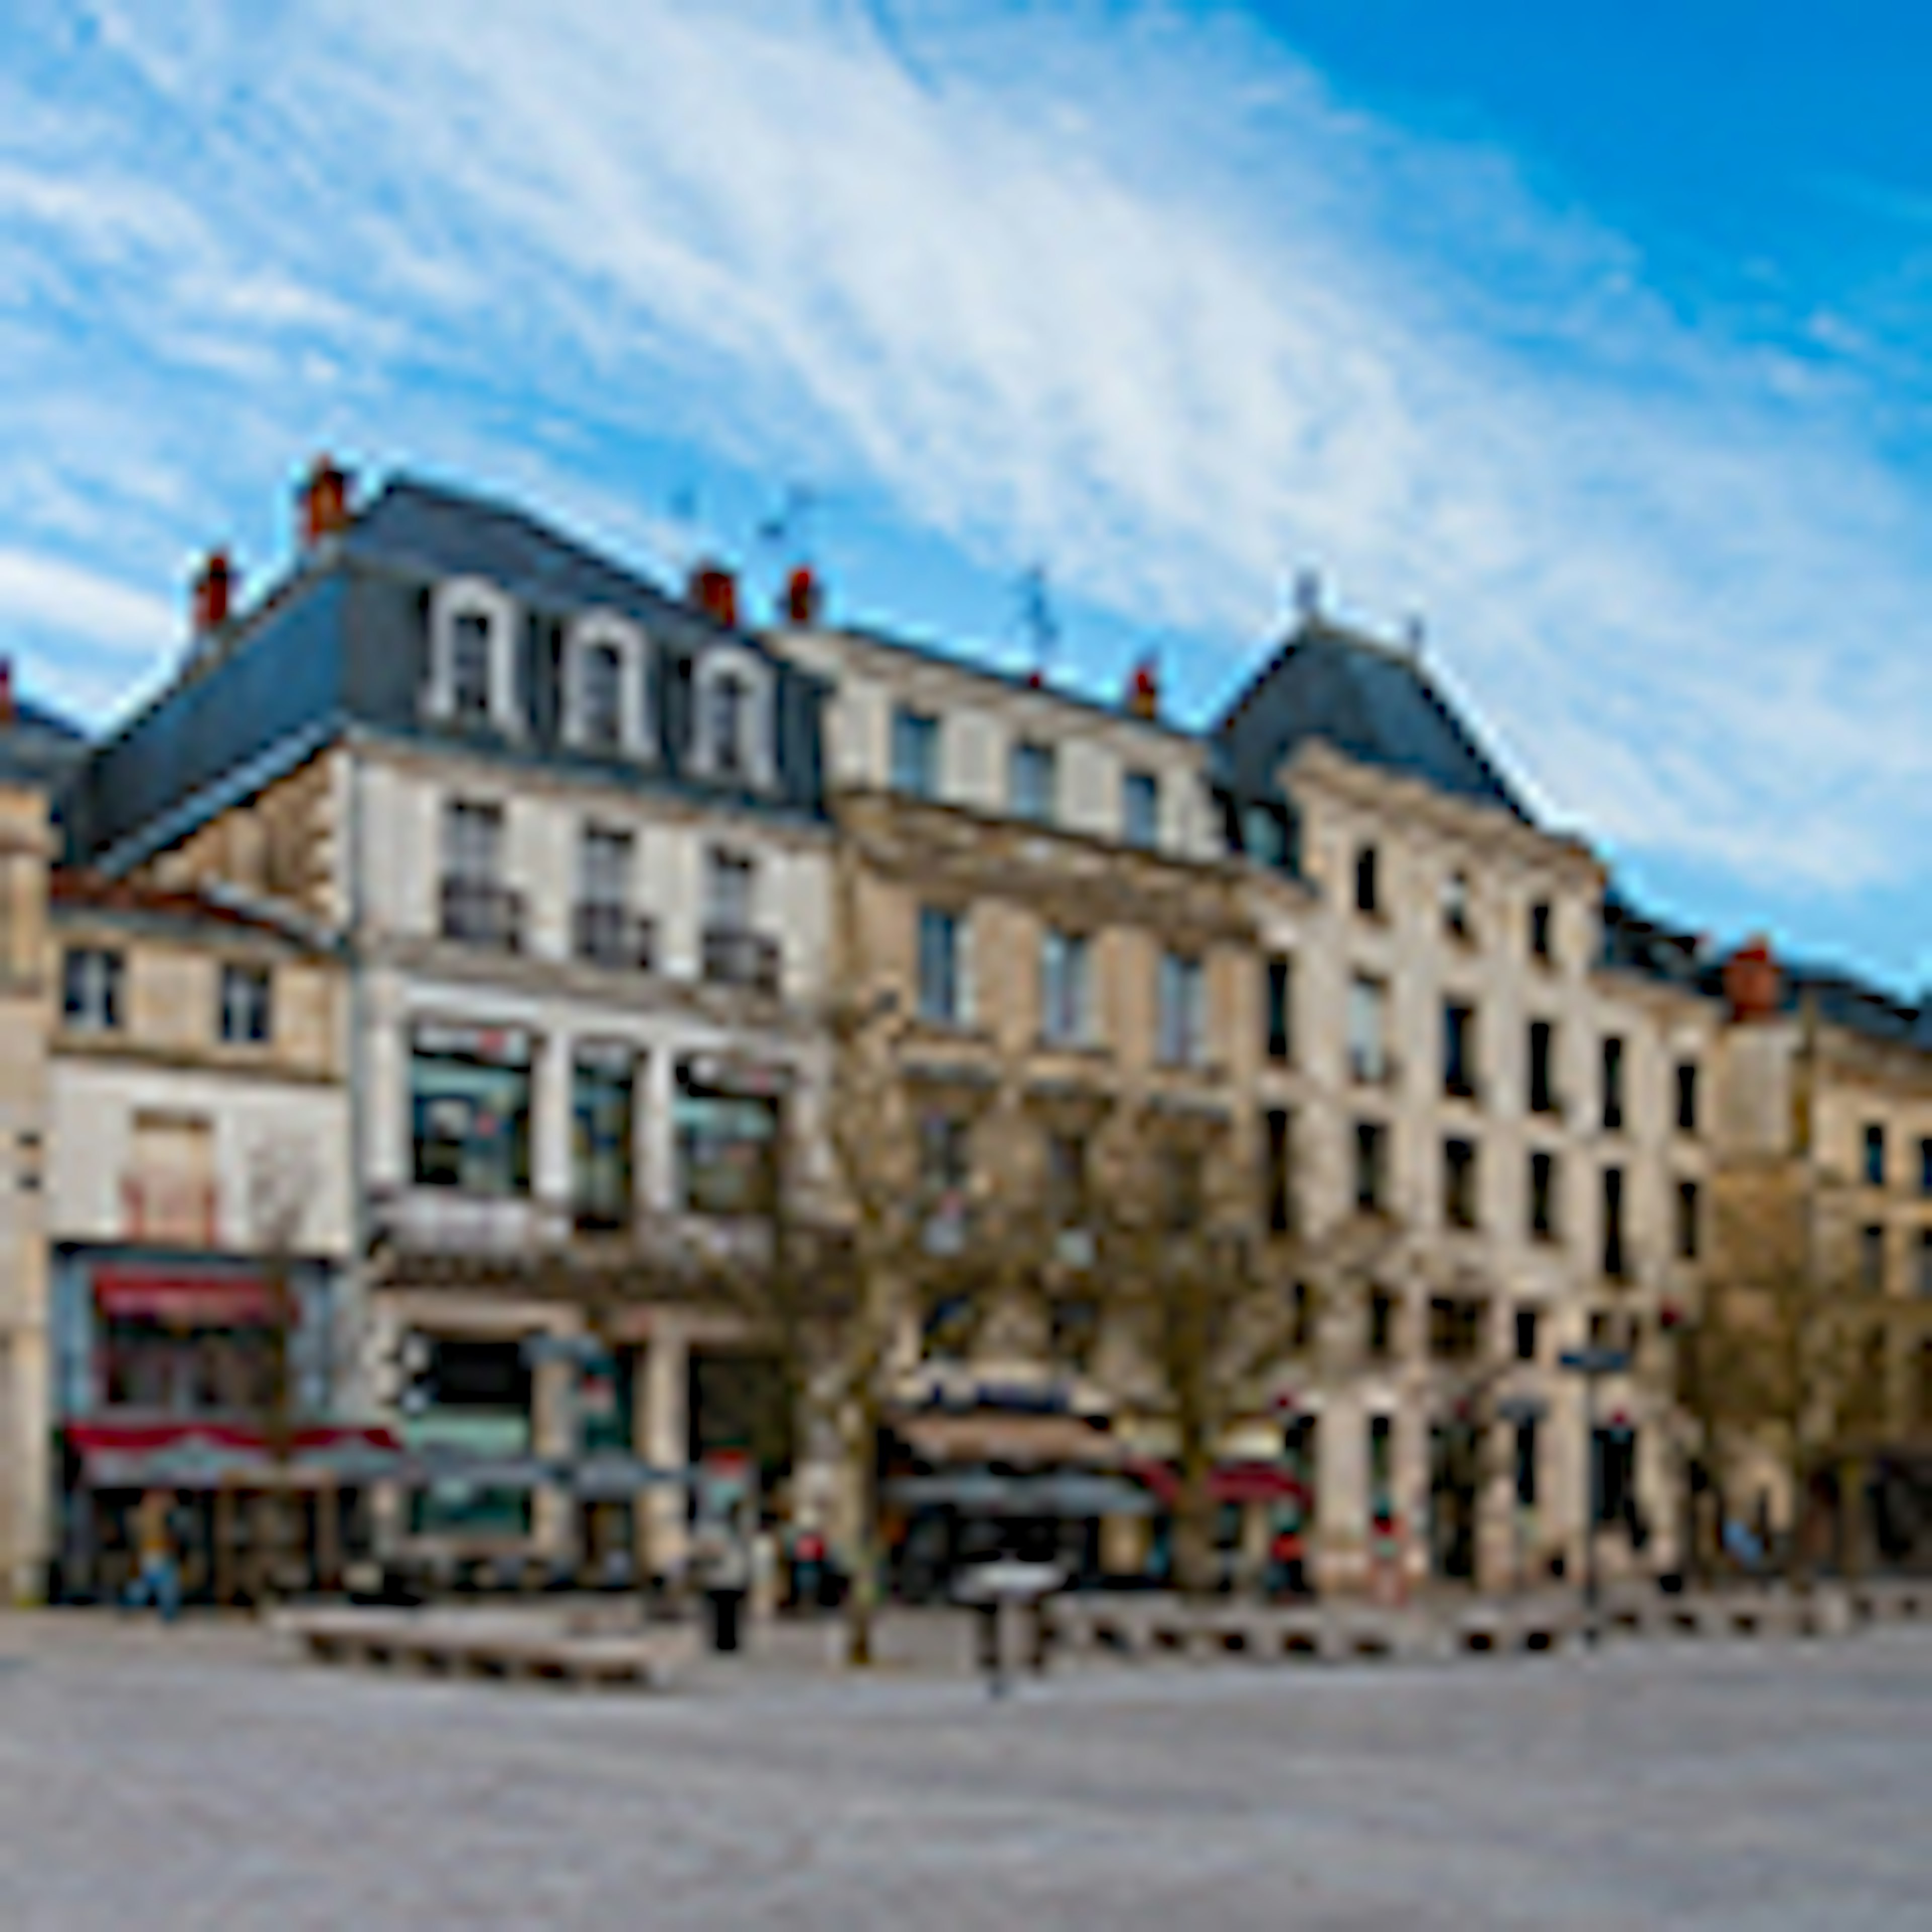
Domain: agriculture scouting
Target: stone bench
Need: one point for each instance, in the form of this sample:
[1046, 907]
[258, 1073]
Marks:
[481, 1646]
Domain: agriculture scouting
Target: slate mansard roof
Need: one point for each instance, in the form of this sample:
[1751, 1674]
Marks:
[341, 643]
[1372, 703]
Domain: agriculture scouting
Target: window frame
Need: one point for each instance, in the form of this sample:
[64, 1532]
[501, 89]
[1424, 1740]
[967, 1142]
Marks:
[99, 975]
[256, 1005]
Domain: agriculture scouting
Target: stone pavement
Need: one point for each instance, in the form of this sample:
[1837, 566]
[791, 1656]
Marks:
[195, 1778]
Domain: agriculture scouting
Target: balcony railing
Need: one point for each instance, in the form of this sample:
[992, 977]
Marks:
[479, 912]
[736, 957]
[610, 935]
[169, 1210]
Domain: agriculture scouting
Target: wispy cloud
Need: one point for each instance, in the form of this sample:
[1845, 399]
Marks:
[1131, 291]
[49, 593]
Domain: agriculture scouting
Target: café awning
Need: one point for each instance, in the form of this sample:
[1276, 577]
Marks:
[186, 1297]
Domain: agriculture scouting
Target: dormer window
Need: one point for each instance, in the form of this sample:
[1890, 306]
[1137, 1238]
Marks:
[732, 722]
[472, 663]
[605, 672]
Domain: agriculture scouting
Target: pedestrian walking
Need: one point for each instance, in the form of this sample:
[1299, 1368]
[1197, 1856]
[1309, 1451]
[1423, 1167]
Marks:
[158, 1581]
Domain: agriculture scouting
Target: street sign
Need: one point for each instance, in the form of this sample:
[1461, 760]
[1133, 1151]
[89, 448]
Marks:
[1594, 1361]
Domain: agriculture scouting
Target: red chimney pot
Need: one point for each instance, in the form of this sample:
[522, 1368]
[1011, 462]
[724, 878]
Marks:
[8, 710]
[714, 590]
[214, 593]
[324, 502]
[803, 596]
[1751, 981]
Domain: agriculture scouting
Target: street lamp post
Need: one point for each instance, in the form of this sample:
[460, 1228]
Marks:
[1593, 1365]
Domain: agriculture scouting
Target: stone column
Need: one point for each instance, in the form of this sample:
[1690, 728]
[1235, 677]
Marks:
[664, 1439]
[553, 1432]
[1341, 1495]
[550, 1178]
[655, 1149]
[29, 1476]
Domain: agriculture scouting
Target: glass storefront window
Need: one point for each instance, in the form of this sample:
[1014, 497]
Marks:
[602, 1120]
[481, 1403]
[469, 1105]
[726, 1150]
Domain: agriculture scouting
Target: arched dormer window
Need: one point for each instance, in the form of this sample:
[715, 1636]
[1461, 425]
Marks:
[606, 681]
[472, 656]
[733, 737]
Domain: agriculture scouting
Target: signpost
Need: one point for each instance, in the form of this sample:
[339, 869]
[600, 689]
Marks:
[1593, 1365]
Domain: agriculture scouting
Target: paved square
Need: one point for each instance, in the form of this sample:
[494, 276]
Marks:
[197, 1778]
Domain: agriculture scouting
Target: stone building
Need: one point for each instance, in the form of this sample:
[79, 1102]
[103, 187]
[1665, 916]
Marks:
[569, 830]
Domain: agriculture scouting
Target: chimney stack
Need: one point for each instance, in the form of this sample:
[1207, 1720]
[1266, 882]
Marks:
[714, 590]
[213, 594]
[9, 711]
[323, 503]
[1144, 690]
[1752, 988]
[804, 597]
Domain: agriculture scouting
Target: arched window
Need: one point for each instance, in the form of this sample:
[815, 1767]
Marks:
[472, 666]
[606, 672]
[732, 718]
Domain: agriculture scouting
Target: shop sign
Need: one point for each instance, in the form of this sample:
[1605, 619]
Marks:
[496, 1046]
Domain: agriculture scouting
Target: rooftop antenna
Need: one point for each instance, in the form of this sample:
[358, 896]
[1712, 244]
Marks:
[1415, 633]
[1039, 625]
[1307, 594]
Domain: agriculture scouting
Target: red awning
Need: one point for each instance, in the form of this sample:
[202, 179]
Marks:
[143, 1438]
[1230, 1483]
[209, 1300]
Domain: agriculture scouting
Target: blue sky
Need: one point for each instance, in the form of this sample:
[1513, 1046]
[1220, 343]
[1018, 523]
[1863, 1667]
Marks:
[1590, 335]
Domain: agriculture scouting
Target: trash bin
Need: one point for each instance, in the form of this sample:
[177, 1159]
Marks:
[726, 1613]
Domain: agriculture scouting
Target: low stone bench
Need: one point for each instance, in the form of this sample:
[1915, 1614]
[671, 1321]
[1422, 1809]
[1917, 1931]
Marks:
[482, 1646]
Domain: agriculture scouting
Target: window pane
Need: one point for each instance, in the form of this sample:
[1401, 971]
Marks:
[939, 982]
[1031, 782]
[469, 666]
[915, 754]
[1140, 809]
[601, 704]
[602, 1106]
[726, 1151]
[470, 1122]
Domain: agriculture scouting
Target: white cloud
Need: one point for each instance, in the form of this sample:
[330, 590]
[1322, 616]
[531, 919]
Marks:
[51, 594]
[1135, 294]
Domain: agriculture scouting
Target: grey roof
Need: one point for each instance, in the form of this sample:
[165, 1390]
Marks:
[1369, 702]
[40, 747]
[1633, 942]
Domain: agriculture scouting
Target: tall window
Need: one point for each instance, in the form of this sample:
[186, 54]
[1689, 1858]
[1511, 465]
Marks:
[1371, 1166]
[606, 930]
[1368, 881]
[1526, 1462]
[1456, 905]
[602, 717]
[471, 666]
[1925, 1166]
[1687, 1097]
[1613, 1084]
[1140, 809]
[1368, 1056]
[1925, 1270]
[1874, 1153]
[1616, 1261]
[945, 1180]
[1459, 1204]
[604, 868]
[1182, 1014]
[91, 977]
[603, 1083]
[1277, 1175]
[476, 908]
[1382, 1466]
[1871, 1259]
[1459, 1050]
[1267, 837]
[1031, 779]
[1542, 1067]
[1689, 1220]
[915, 753]
[1542, 931]
[1279, 1002]
[727, 712]
[730, 878]
[1065, 1017]
[1543, 1225]
[469, 1104]
[942, 985]
[727, 1148]
[247, 1013]
[1526, 1326]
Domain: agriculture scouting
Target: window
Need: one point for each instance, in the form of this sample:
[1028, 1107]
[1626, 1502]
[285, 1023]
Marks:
[1064, 1019]
[473, 631]
[483, 1400]
[476, 907]
[603, 1083]
[604, 699]
[942, 992]
[1279, 1002]
[248, 1016]
[471, 663]
[1542, 1059]
[1300, 1334]
[1925, 1266]
[1277, 1182]
[729, 882]
[945, 1166]
[1456, 905]
[91, 978]
[600, 696]
[1267, 837]
[469, 1104]
[1543, 1196]
[1455, 1327]
[1458, 1050]
[1181, 1003]
[604, 868]
[1526, 1462]
[1874, 1154]
[607, 931]
[915, 753]
[1526, 1324]
[1925, 1167]
[1687, 1097]
[1381, 1338]
[1382, 1466]
[1460, 1205]
[727, 1148]
[472, 842]
[1616, 1262]
[1542, 940]
[1613, 1474]
[731, 716]
[1689, 1221]
[1613, 1084]
[1066, 1180]
[1140, 809]
[725, 710]
[1368, 892]
[1030, 782]
[1368, 1059]
[1371, 1166]
[1871, 1260]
